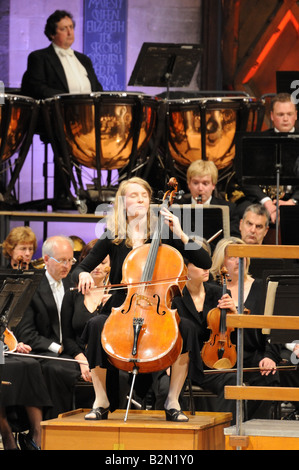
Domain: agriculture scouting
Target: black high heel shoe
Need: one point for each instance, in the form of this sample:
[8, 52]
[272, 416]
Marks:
[99, 414]
[175, 415]
[26, 443]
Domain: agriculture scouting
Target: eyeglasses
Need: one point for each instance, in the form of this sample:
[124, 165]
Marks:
[71, 261]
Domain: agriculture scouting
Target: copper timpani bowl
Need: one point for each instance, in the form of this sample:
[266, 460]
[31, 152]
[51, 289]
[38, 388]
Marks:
[103, 130]
[204, 128]
[17, 121]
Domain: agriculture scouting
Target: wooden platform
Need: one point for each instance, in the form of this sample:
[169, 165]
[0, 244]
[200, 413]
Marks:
[264, 434]
[143, 430]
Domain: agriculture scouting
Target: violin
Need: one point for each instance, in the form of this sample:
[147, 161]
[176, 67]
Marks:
[143, 333]
[10, 340]
[21, 264]
[219, 352]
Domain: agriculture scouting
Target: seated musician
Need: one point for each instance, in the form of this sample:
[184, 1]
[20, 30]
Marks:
[254, 224]
[254, 227]
[128, 227]
[19, 247]
[199, 296]
[27, 387]
[40, 326]
[283, 116]
[27, 390]
[202, 178]
[258, 352]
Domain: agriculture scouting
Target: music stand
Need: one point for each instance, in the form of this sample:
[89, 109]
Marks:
[289, 225]
[268, 160]
[18, 286]
[16, 291]
[281, 298]
[202, 221]
[165, 65]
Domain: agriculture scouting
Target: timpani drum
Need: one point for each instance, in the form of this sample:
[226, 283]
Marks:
[104, 130]
[101, 131]
[17, 123]
[18, 116]
[205, 128]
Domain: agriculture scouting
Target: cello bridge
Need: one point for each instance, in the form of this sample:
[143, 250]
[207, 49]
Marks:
[143, 301]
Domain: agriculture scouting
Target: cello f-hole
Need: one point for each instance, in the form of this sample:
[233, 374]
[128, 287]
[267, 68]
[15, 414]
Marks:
[158, 305]
[130, 305]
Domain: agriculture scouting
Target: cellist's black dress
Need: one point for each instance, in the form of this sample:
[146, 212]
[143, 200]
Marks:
[92, 333]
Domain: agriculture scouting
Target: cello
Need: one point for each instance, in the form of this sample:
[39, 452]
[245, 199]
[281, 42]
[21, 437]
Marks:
[142, 335]
[219, 352]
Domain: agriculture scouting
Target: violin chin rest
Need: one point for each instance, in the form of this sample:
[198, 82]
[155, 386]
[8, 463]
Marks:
[223, 363]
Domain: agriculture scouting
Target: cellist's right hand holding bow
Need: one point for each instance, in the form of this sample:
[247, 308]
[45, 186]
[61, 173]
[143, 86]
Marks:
[86, 283]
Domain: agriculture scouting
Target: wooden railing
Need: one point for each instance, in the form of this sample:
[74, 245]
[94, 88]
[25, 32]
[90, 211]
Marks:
[241, 392]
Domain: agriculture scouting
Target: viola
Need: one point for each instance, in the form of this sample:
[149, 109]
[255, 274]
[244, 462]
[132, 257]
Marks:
[143, 333]
[219, 352]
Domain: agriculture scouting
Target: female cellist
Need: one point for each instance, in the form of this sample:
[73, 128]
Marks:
[127, 229]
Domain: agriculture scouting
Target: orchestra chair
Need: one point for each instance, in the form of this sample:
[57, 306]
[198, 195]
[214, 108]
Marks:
[193, 392]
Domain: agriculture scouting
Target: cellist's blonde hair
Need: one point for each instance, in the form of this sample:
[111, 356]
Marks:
[117, 221]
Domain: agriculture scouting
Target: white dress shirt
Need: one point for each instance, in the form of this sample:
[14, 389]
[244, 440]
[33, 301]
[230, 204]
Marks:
[58, 293]
[76, 74]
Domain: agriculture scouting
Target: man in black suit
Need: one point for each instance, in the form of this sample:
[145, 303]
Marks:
[41, 326]
[57, 70]
[283, 116]
[254, 224]
[202, 178]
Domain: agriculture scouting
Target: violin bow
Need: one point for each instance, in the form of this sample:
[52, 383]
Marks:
[250, 369]
[40, 356]
[137, 284]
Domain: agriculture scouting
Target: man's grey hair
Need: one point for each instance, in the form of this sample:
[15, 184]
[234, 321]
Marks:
[258, 209]
[51, 242]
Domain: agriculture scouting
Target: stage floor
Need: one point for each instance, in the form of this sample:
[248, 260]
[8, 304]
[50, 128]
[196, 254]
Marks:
[143, 430]
[264, 434]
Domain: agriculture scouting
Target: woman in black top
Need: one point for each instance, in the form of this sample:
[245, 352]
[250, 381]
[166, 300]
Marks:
[19, 247]
[199, 296]
[129, 226]
[28, 389]
[258, 352]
